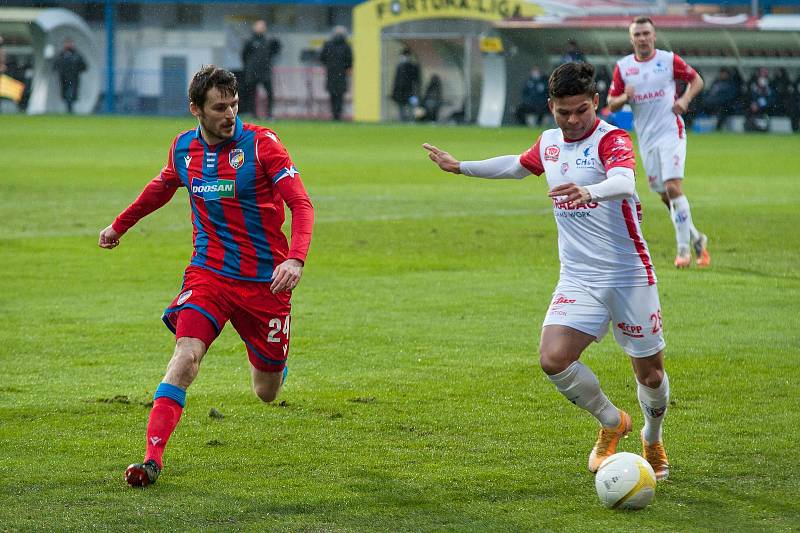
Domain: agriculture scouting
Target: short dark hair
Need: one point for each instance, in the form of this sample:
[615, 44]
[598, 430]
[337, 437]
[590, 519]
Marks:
[208, 77]
[643, 20]
[571, 79]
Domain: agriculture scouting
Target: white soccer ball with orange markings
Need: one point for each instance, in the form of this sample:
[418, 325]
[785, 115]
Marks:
[625, 481]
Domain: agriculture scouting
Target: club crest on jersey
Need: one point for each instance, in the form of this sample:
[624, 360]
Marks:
[564, 168]
[213, 190]
[236, 158]
[551, 153]
[631, 71]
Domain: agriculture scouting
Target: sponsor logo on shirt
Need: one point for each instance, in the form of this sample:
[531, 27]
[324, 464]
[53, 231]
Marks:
[649, 96]
[570, 210]
[564, 168]
[188, 160]
[631, 330]
[213, 190]
[570, 206]
[236, 158]
[551, 153]
[660, 67]
[586, 161]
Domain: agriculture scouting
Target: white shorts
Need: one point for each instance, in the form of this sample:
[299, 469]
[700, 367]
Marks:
[664, 162]
[634, 314]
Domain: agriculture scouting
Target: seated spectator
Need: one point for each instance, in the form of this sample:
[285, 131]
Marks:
[721, 98]
[760, 104]
[534, 98]
[431, 101]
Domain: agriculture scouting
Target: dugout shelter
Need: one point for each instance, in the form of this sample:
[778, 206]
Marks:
[36, 36]
[483, 49]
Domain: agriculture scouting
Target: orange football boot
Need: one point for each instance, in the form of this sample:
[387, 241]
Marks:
[607, 441]
[657, 457]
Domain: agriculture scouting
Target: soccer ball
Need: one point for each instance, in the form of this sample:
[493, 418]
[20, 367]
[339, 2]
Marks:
[625, 481]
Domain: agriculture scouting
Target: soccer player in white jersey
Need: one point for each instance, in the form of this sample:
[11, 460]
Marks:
[646, 80]
[607, 276]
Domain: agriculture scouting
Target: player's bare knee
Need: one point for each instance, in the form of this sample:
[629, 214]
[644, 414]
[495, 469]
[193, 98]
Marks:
[265, 393]
[674, 189]
[552, 360]
[653, 379]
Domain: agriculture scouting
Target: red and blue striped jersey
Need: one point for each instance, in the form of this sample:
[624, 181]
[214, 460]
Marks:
[237, 191]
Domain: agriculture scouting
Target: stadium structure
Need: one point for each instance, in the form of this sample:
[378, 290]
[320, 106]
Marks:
[142, 54]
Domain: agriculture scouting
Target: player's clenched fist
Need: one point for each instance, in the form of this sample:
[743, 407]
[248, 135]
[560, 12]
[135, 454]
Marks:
[286, 276]
[109, 238]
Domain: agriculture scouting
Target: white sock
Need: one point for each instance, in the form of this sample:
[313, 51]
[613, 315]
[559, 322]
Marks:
[682, 220]
[694, 233]
[654, 404]
[580, 386]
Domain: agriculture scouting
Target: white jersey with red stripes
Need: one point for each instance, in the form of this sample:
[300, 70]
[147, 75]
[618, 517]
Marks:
[653, 81]
[600, 243]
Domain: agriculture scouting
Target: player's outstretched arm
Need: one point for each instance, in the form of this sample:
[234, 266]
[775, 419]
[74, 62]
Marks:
[109, 238]
[446, 162]
[286, 276]
[502, 167]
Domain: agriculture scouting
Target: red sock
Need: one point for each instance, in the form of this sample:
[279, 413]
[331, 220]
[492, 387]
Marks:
[163, 418]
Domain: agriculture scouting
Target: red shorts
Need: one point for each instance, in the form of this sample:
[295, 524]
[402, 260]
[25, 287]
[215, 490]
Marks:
[260, 317]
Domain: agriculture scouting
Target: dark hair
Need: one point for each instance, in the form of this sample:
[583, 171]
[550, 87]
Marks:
[208, 77]
[571, 79]
[643, 20]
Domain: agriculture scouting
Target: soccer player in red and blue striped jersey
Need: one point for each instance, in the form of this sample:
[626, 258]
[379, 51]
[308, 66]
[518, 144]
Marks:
[243, 269]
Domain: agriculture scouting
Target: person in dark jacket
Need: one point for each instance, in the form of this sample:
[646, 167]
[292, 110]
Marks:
[405, 90]
[534, 97]
[337, 56]
[69, 65]
[257, 56]
[722, 97]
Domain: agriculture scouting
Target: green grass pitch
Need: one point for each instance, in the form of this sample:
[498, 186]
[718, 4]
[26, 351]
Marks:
[414, 400]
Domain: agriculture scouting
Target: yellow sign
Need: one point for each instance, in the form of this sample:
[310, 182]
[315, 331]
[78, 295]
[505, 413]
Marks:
[11, 88]
[491, 45]
[401, 10]
[370, 17]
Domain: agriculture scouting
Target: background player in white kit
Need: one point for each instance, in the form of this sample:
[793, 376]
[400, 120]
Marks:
[606, 272]
[646, 80]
